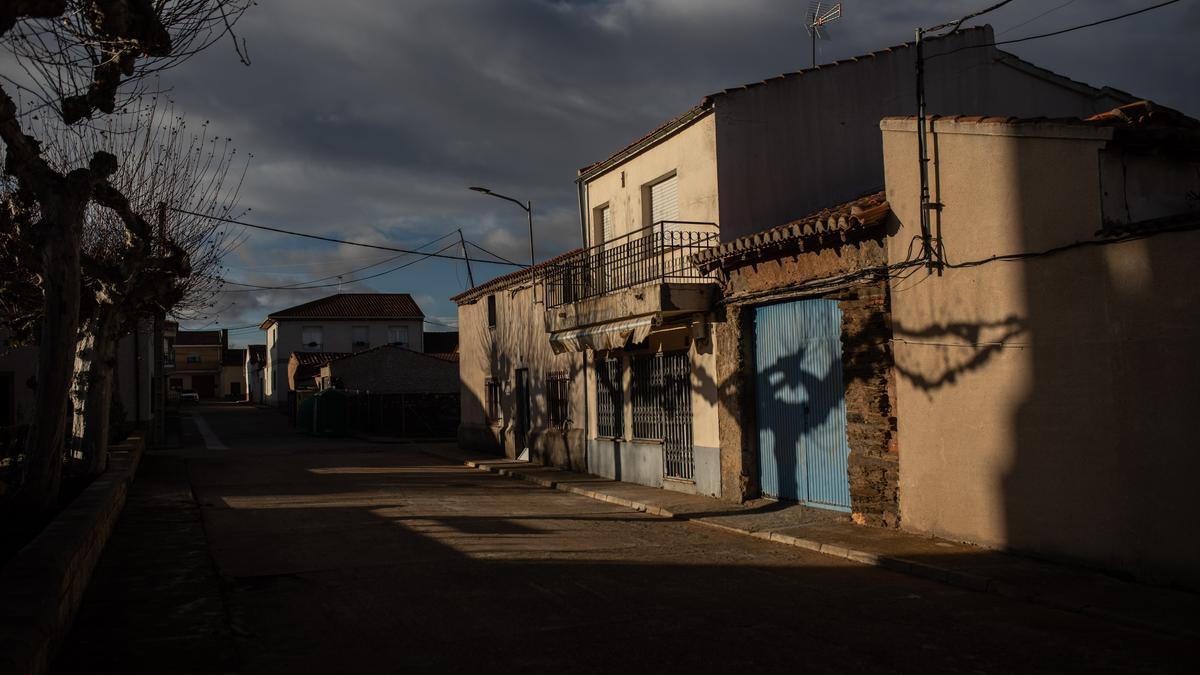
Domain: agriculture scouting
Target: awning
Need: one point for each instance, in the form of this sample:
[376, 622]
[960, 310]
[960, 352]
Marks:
[612, 335]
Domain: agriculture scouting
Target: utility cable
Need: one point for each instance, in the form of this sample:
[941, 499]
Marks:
[254, 287]
[299, 284]
[332, 239]
[494, 254]
[1058, 32]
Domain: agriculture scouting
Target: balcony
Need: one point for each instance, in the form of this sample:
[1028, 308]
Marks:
[646, 275]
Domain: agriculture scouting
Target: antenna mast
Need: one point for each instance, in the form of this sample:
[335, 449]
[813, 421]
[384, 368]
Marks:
[815, 21]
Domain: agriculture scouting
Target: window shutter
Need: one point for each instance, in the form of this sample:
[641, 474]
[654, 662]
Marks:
[664, 201]
[607, 223]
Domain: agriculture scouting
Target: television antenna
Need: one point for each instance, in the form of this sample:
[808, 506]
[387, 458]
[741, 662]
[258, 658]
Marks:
[819, 16]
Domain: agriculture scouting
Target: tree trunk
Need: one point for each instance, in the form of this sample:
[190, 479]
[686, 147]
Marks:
[63, 227]
[95, 358]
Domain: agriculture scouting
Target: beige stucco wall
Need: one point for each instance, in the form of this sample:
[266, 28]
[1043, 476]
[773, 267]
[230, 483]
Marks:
[690, 153]
[519, 340]
[1044, 405]
[285, 337]
[795, 145]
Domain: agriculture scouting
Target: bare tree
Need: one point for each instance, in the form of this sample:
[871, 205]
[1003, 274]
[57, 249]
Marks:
[152, 246]
[75, 56]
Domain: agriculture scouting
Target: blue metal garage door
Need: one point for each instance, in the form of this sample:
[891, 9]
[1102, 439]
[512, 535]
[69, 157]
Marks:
[802, 442]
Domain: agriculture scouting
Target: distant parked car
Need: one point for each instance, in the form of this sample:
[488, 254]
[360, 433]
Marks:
[189, 395]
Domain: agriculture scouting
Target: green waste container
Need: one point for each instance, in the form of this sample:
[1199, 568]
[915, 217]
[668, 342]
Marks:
[304, 414]
[329, 413]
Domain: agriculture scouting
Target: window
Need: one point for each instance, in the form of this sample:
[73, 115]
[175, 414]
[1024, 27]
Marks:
[610, 402]
[603, 225]
[558, 387]
[360, 336]
[398, 335]
[193, 358]
[662, 408]
[492, 311]
[663, 202]
[311, 338]
[492, 394]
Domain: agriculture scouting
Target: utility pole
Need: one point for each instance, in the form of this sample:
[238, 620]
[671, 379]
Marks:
[466, 258]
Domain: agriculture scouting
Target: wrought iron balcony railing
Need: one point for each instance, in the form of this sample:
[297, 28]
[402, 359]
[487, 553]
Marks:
[656, 254]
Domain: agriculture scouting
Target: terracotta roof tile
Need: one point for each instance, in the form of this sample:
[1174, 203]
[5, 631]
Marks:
[304, 359]
[853, 215]
[510, 278]
[352, 306]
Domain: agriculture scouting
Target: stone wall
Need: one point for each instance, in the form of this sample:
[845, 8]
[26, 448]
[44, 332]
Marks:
[771, 276]
[874, 465]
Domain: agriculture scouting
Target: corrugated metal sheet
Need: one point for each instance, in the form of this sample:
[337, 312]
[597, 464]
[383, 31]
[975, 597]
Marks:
[803, 449]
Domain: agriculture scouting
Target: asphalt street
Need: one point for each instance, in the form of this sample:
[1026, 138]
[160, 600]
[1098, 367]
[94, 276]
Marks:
[254, 549]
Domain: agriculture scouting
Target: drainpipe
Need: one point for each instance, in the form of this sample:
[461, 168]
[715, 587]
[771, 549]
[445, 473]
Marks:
[587, 424]
[582, 188]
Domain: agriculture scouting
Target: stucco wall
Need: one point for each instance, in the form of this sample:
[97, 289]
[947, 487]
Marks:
[1044, 404]
[630, 460]
[690, 153]
[519, 340]
[798, 144]
[395, 370]
[285, 337]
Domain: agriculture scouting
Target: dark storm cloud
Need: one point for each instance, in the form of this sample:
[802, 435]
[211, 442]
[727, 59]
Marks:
[369, 119]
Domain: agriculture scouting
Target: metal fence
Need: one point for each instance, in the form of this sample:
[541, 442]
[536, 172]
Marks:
[610, 423]
[403, 415]
[659, 253]
[661, 398]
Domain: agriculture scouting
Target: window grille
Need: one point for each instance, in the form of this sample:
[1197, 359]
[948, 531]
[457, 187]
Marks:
[661, 398]
[610, 403]
[558, 386]
[492, 394]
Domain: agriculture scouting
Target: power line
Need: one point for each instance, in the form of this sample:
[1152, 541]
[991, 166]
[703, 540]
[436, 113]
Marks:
[1059, 32]
[1035, 18]
[494, 254]
[954, 25]
[254, 287]
[300, 284]
[333, 240]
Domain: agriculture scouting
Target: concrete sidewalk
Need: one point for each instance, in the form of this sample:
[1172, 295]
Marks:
[1060, 586]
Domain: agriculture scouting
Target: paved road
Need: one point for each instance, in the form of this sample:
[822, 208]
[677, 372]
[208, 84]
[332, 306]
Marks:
[287, 554]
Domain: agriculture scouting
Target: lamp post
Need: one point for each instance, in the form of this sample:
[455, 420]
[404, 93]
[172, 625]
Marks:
[528, 206]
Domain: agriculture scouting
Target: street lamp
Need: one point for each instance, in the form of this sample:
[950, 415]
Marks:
[528, 206]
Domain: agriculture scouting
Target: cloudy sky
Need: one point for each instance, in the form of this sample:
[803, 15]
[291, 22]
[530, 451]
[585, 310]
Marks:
[368, 119]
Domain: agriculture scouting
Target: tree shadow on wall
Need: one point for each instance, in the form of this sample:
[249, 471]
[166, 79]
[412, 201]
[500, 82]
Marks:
[974, 345]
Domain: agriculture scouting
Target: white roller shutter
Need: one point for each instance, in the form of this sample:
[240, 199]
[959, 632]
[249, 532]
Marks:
[606, 223]
[664, 202]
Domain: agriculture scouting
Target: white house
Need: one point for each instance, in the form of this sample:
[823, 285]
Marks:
[342, 323]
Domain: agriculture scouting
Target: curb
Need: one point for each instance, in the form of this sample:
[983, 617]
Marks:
[42, 587]
[923, 570]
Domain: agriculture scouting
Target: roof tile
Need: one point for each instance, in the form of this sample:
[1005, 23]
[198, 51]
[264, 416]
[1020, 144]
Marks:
[353, 306]
[859, 213]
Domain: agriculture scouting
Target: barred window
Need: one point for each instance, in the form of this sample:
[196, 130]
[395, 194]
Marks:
[610, 402]
[492, 393]
[558, 387]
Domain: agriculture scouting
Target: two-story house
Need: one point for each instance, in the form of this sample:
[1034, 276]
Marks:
[199, 357]
[338, 324]
[743, 160]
